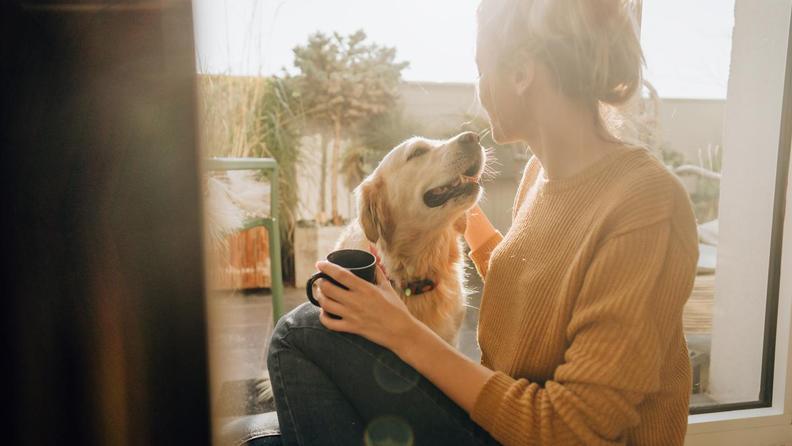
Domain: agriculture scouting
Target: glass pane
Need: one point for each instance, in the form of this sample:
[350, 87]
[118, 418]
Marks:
[687, 47]
[719, 127]
[710, 111]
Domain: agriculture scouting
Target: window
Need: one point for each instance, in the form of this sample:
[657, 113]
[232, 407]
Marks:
[719, 106]
[720, 132]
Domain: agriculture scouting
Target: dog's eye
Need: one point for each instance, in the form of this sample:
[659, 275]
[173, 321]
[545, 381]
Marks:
[417, 152]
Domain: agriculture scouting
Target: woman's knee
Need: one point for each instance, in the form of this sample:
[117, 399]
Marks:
[301, 332]
[304, 316]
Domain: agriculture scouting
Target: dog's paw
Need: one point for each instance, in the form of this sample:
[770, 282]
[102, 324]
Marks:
[264, 389]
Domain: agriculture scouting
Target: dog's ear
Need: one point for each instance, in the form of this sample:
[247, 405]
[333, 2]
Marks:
[460, 225]
[374, 211]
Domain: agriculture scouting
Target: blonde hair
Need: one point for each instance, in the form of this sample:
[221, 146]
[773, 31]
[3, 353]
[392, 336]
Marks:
[591, 46]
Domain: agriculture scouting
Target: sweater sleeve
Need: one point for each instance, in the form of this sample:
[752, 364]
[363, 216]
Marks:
[481, 255]
[629, 305]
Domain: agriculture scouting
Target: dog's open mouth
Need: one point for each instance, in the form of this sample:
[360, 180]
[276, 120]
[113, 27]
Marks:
[463, 185]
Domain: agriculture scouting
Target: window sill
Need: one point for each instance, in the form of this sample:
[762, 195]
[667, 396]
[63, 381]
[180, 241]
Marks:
[737, 420]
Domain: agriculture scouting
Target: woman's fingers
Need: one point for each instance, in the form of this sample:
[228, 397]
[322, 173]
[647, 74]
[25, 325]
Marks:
[332, 324]
[332, 306]
[333, 291]
[340, 275]
[382, 278]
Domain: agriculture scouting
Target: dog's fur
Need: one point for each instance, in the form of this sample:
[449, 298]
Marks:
[415, 230]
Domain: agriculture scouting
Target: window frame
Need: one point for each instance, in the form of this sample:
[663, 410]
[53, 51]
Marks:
[768, 419]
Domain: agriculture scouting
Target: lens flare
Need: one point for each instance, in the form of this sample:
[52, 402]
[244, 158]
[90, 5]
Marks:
[389, 380]
[389, 431]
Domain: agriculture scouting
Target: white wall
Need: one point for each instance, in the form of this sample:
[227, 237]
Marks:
[440, 107]
[689, 125]
[686, 124]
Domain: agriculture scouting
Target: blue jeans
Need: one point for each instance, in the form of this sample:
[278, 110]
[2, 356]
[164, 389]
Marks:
[340, 389]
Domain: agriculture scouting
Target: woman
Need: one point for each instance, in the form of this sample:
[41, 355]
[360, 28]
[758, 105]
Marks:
[580, 324]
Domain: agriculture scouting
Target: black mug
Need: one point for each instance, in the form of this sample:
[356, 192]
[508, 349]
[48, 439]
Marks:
[362, 264]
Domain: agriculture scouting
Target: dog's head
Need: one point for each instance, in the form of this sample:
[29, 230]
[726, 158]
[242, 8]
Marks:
[421, 186]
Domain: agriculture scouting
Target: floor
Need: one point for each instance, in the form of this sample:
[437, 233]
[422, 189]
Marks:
[241, 325]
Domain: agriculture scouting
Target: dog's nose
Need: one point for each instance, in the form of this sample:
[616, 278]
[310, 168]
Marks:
[469, 139]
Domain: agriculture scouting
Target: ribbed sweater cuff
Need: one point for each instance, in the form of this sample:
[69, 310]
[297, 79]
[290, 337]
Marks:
[488, 402]
[481, 255]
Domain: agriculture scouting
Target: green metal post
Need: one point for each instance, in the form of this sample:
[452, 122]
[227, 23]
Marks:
[274, 248]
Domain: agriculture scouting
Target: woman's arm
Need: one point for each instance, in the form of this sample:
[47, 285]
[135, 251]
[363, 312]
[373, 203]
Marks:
[453, 373]
[479, 229]
[481, 237]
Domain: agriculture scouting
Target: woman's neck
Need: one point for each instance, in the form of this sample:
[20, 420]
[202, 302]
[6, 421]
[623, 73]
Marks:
[569, 139]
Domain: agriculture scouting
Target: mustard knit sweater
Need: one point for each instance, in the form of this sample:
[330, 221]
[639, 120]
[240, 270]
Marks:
[581, 313]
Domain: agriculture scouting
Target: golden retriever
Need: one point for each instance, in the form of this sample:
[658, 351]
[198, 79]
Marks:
[411, 213]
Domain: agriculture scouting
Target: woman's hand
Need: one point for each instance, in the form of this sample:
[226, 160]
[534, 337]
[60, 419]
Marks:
[478, 229]
[375, 312]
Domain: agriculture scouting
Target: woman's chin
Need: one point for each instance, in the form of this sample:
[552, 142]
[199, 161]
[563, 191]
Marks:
[500, 137]
[497, 139]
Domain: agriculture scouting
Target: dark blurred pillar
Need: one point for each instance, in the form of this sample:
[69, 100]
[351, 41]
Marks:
[103, 318]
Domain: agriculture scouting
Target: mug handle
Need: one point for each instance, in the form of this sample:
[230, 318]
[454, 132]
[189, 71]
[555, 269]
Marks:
[309, 290]
[309, 286]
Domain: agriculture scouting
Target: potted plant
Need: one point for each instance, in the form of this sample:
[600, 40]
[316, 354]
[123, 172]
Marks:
[249, 117]
[342, 82]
